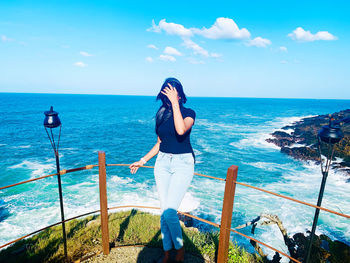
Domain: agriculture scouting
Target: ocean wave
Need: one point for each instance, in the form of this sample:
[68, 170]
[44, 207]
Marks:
[121, 180]
[287, 121]
[22, 147]
[207, 147]
[261, 133]
[257, 140]
[69, 149]
[268, 166]
[37, 168]
[189, 203]
[296, 145]
[222, 127]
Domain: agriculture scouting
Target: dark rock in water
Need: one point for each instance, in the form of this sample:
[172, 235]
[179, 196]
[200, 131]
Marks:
[4, 213]
[301, 153]
[324, 249]
[340, 252]
[305, 132]
[188, 221]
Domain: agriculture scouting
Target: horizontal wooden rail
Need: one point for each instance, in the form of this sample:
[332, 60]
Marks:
[293, 199]
[202, 175]
[27, 181]
[55, 224]
[210, 223]
[148, 207]
[145, 166]
[259, 189]
[264, 244]
[96, 211]
[87, 167]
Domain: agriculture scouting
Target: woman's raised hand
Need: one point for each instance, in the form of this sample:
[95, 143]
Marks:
[135, 166]
[171, 93]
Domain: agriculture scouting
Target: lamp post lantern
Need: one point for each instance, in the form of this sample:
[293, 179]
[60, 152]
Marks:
[52, 121]
[330, 135]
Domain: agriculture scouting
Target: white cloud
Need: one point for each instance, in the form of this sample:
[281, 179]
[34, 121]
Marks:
[197, 50]
[149, 59]
[152, 46]
[167, 58]
[170, 28]
[283, 49]
[299, 34]
[6, 39]
[172, 51]
[85, 54]
[259, 42]
[284, 62]
[80, 64]
[223, 28]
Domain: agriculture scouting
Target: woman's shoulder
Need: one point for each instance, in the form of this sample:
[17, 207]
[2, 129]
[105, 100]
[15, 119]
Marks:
[189, 112]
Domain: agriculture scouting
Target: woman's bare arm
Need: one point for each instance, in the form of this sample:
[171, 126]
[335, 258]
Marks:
[153, 151]
[181, 125]
[135, 166]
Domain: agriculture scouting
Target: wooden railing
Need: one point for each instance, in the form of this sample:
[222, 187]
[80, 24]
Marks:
[226, 216]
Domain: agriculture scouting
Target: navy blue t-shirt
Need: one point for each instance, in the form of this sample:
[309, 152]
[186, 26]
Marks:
[171, 141]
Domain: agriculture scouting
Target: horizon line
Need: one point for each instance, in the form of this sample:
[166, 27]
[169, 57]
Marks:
[134, 95]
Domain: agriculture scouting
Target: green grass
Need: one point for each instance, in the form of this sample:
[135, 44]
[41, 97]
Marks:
[125, 228]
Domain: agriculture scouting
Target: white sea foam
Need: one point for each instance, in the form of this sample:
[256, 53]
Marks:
[289, 131]
[143, 198]
[69, 149]
[304, 185]
[295, 145]
[80, 185]
[22, 147]
[197, 152]
[24, 219]
[257, 138]
[38, 168]
[189, 203]
[121, 180]
[207, 147]
[266, 166]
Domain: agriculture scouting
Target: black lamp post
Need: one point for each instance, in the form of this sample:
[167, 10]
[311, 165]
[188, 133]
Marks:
[52, 121]
[329, 135]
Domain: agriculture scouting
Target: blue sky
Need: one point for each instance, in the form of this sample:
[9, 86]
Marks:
[275, 49]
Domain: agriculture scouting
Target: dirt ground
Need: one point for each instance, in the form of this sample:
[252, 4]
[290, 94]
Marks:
[137, 254]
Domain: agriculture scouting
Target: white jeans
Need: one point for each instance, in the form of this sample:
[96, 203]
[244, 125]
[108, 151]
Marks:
[173, 174]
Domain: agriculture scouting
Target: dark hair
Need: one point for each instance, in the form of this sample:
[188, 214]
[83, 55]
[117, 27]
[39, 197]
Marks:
[178, 86]
[162, 114]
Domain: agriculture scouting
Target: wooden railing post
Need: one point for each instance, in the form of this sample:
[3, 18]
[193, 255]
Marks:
[226, 215]
[103, 201]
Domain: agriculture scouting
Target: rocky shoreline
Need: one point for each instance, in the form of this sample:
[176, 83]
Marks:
[299, 140]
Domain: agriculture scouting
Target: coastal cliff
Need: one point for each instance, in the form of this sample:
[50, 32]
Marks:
[299, 140]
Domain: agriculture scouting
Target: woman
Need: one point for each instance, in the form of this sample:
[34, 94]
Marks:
[174, 165]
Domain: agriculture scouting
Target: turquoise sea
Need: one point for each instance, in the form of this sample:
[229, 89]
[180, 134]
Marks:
[227, 131]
